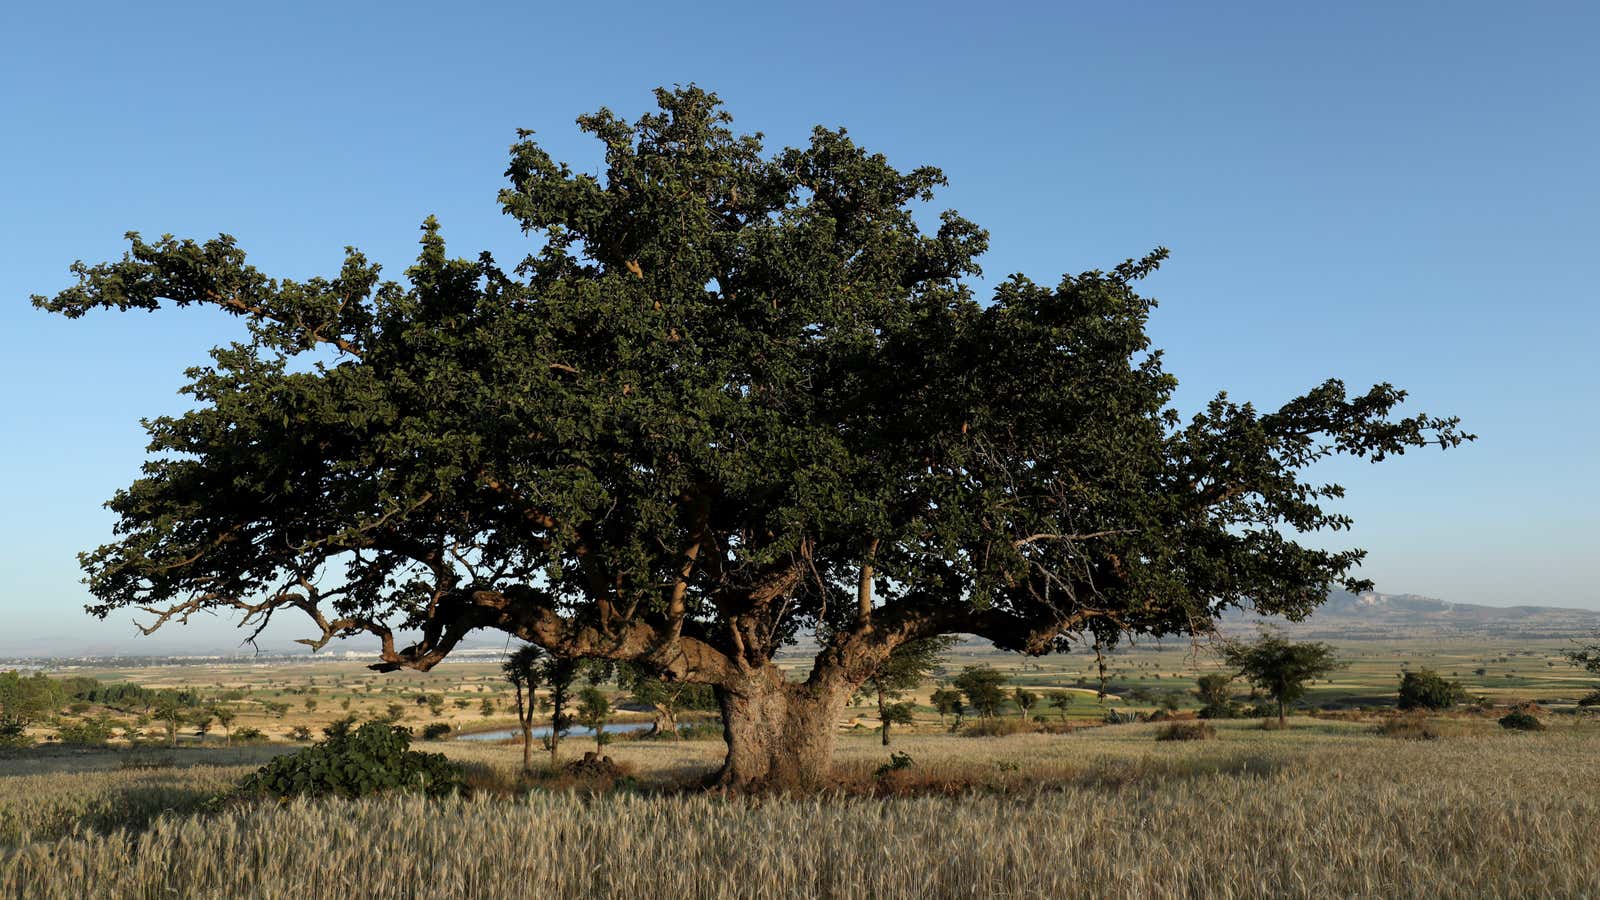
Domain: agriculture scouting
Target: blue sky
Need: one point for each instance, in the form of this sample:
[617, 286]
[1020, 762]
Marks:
[1375, 191]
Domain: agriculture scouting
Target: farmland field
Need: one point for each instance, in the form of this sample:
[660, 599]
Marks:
[1328, 807]
[276, 697]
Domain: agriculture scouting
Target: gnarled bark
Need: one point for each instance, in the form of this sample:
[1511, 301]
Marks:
[780, 734]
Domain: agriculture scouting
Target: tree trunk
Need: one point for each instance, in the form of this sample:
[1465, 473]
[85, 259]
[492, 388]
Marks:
[666, 721]
[555, 728]
[527, 741]
[780, 734]
[1283, 715]
[525, 722]
[883, 718]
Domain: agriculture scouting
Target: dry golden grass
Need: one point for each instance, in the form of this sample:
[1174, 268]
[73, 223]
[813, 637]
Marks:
[1324, 809]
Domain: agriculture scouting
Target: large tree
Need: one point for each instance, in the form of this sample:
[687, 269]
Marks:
[729, 397]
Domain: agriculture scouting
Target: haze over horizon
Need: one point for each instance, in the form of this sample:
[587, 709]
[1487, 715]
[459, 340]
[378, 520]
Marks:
[1362, 192]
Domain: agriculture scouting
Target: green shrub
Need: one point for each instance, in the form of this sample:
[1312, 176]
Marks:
[369, 760]
[1518, 720]
[1426, 689]
[433, 731]
[13, 734]
[897, 762]
[1115, 717]
[249, 734]
[1187, 731]
[85, 733]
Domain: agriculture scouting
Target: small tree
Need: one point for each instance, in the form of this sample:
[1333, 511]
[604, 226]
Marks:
[171, 715]
[902, 670]
[559, 673]
[594, 710]
[524, 669]
[1280, 668]
[1426, 689]
[666, 698]
[486, 707]
[947, 701]
[1024, 699]
[1212, 690]
[984, 689]
[202, 725]
[435, 704]
[1216, 700]
[1061, 701]
[225, 717]
[24, 701]
[1588, 656]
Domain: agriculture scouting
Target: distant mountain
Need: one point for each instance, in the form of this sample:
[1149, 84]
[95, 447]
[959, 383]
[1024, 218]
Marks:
[1374, 615]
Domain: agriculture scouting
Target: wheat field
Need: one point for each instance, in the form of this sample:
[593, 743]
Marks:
[1326, 809]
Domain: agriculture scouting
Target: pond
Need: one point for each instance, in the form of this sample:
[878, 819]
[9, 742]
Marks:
[544, 730]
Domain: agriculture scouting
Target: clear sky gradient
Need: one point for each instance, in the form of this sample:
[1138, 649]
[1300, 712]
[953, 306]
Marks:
[1375, 191]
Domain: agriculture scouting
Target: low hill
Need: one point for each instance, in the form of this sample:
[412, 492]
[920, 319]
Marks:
[1373, 615]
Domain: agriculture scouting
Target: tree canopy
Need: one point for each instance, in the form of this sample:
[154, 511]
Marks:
[729, 398]
[1281, 667]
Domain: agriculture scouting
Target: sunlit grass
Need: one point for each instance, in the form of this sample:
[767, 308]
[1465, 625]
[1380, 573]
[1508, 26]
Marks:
[1324, 809]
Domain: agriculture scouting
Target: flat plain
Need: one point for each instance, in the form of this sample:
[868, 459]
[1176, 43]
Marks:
[1331, 806]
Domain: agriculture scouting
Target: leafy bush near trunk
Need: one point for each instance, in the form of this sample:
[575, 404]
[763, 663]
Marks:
[371, 759]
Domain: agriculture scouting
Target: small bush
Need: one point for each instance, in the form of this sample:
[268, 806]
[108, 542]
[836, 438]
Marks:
[300, 733]
[1187, 731]
[1115, 717]
[898, 762]
[1518, 720]
[433, 731]
[369, 760]
[249, 734]
[1410, 728]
